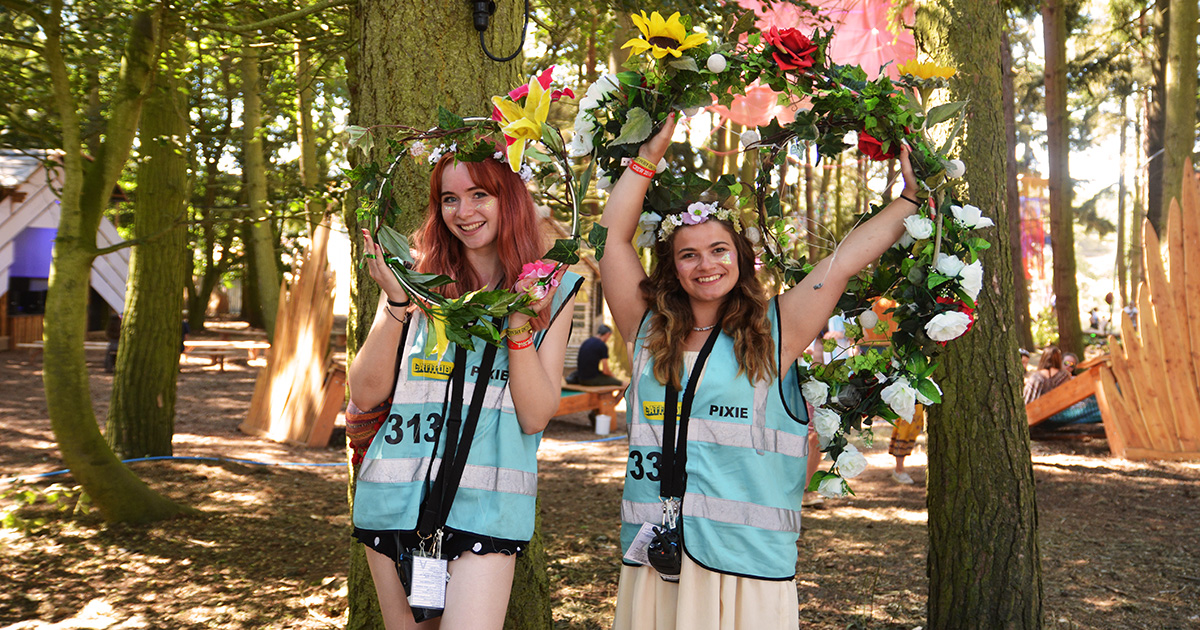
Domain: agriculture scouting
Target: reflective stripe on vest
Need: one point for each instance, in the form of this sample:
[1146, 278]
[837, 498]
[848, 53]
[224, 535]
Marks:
[760, 438]
[412, 469]
[719, 510]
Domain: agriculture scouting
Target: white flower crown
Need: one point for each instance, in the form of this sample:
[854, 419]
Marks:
[655, 227]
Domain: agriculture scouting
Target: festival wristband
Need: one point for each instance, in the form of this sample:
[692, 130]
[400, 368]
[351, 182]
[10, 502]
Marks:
[403, 304]
[519, 330]
[912, 201]
[643, 167]
[520, 345]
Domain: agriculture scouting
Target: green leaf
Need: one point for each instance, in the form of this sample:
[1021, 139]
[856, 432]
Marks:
[565, 250]
[448, 120]
[928, 390]
[597, 238]
[636, 129]
[630, 77]
[395, 243]
[685, 63]
[552, 138]
[817, 478]
[585, 180]
[745, 23]
[941, 113]
[360, 137]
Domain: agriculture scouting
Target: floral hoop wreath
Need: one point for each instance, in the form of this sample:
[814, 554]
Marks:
[933, 274]
[518, 123]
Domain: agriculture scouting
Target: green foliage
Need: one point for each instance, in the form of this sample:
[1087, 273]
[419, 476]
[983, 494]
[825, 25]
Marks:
[20, 496]
[1045, 328]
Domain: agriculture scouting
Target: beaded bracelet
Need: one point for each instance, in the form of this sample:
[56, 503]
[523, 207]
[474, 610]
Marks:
[520, 345]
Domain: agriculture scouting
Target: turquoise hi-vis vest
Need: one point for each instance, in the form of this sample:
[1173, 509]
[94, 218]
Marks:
[747, 445]
[497, 494]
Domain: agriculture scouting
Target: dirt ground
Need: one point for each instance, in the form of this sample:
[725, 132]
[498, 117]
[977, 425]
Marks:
[1120, 541]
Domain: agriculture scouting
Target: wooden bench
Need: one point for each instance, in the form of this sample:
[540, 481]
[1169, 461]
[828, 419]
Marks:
[35, 347]
[601, 399]
[217, 356]
[1082, 385]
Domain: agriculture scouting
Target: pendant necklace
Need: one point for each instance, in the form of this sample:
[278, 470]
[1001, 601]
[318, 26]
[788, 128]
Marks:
[704, 328]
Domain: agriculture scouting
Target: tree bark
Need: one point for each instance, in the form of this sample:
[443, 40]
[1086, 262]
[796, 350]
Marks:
[310, 177]
[141, 416]
[1062, 225]
[1180, 129]
[116, 492]
[1012, 200]
[263, 263]
[391, 83]
[1156, 116]
[984, 566]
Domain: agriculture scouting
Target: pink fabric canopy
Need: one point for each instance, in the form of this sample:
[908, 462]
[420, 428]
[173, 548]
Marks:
[861, 37]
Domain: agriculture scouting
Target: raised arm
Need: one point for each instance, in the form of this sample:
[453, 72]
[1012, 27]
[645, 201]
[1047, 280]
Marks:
[806, 307]
[535, 373]
[373, 371]
[620, 267]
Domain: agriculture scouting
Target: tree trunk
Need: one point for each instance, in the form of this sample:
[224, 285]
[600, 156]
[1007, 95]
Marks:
[141, 416]
[1012, 200]
[984, 566]
[263, 264]
[1062, 225]
[1180, 128]
[1121, 194]
[116, 492]
[390, 83]
[1156, 116]
[310, 177]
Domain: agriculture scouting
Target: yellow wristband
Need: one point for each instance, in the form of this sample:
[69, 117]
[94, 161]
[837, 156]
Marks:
[520, 330]
[646, 163]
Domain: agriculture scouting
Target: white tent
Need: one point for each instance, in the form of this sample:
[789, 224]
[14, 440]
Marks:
[29, 214]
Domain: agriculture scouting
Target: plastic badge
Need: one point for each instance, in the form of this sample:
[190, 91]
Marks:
[428, 583]
[637, 550]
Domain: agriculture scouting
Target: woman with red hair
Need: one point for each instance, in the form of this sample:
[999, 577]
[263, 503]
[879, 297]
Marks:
[449, 480]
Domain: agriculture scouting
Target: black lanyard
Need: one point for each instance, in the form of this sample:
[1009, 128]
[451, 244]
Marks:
[674, 447]
[460, 433]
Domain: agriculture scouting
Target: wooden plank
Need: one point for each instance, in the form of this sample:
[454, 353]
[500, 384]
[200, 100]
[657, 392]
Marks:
[1190, 218]
[1135, 399]
[1155, 318]
[1138, 454]
[333, 397]
[1061, 397]
[1117, 425]
[1179, 377]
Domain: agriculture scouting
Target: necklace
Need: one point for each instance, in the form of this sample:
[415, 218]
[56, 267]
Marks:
[704, 328]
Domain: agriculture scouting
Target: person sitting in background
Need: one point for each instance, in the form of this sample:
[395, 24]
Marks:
[1024, 360]
[1069, 362]
[592, 363]
[1050, 374]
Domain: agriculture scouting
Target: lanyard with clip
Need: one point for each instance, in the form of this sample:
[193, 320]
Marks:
[674, 444]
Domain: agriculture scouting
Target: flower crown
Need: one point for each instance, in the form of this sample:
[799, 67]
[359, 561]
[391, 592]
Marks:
[657, 228]
[418, 149]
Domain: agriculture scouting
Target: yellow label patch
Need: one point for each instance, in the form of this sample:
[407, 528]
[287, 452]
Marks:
[654, 410]
[432, 369]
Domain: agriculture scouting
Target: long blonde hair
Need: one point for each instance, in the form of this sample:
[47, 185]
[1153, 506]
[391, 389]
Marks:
[743, 315]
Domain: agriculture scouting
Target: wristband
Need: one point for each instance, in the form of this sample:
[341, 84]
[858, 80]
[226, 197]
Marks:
[403, 304]
[520, 345]
[389, 312]
[520, 330]
[642, 167]
[912, 201]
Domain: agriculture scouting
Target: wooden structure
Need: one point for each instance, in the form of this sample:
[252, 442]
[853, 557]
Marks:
[29, 215]
[600, 399]
[1154, 386]
[299, 386]
[1084, 384]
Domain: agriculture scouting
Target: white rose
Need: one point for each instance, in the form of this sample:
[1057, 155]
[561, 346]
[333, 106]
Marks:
[752, 234]
[905, 241]
[972, 278]
[868, 319]
[815, 392]
[851, 463]
[924, 400]
[750, 136]
[645, 239]
[970, 217]
[851, 138]
[581, 142]
[661, 166]
[955, 169]
[716, 62]
[949, 265]
[918, 227]
[947, 326]
[827, 422]
[901, 398]
[603, 181]
[831, 487]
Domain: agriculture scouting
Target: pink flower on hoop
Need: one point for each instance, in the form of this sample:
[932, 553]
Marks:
[543, 272]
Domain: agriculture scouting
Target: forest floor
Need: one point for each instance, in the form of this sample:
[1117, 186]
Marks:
[1119, 540]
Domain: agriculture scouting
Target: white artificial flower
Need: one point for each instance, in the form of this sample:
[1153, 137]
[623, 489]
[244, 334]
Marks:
[815, 392]
[851, 462]
[881, 377]
[918, 227]
[851, 138]
[972, 279]
[947, 326]
[498, 156]
[906, 240]
[949, 265]
[901, 397]
[868, 319]
[692, 111]
[831, 487]
[597, 91]
[418, 149]
[750, 136]
[526, 175]
[955, 169]
[603, 181]
[661, 166]
[970, 217]
[826, 422]
[752, 234]
[716, 62]
[581, 141]
[924, 400]
[645, 239]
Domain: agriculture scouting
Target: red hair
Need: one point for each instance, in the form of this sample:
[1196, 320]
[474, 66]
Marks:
[518, 235]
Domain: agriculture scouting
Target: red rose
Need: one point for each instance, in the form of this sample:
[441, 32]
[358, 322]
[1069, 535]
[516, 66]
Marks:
[871, 147]
[793, 51]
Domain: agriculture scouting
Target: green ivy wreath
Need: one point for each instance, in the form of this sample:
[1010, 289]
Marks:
[933, 274]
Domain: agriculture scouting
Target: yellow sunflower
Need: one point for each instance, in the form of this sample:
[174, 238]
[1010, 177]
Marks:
[662, 37]
[925, 70]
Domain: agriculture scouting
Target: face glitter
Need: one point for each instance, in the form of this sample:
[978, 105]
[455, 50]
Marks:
[725, 259]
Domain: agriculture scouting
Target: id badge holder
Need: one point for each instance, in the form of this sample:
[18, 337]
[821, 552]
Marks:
[424, 576]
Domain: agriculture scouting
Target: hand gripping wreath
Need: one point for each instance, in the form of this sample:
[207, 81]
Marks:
[931, 277]
[517, 132]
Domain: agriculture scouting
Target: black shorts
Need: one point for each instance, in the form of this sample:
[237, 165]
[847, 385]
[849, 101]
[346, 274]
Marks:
[392, 542]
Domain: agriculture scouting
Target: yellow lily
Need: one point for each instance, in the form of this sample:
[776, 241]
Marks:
[662, 37]
[440, 341]
[925, 70]
[522, 124]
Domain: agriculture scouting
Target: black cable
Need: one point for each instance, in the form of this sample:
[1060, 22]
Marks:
[520, 46]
